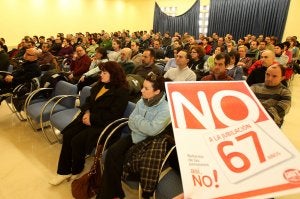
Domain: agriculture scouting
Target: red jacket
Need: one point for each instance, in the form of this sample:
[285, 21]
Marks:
[208, 49]
[256, 64]
[80, 65]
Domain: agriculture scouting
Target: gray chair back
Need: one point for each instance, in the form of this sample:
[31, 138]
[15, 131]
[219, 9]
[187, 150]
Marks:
[66, 88]
[85, 92]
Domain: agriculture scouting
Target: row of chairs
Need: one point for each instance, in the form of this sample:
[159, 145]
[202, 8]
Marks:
[51, 109]
[13, 95]
[42, 103]
[58, 112]
[39, 105]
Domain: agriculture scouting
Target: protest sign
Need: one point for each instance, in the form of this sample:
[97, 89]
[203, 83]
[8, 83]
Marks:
[227, 144]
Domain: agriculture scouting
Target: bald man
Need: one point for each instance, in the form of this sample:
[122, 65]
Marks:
[26, 72]
[273, 95]
[258, 69]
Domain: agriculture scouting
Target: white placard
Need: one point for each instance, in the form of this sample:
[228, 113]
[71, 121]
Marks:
[227, 144]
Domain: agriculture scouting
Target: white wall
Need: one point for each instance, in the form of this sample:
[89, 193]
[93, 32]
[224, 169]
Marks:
[48, 17]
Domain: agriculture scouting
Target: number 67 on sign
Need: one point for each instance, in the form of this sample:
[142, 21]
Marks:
[243, 151]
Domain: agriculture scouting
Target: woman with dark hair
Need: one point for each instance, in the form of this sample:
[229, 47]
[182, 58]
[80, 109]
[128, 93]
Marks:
[197, 61]
[3, 43]
[206, 46]
[36, 41]
[107, 102]
[66, 49]
[91, 50]
[92, 75]
[116, 53]
[150, 116]
[233, 69]
[210, 62]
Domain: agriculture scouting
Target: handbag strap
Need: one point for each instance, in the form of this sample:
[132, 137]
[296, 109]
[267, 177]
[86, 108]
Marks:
[98, 155]
[98, 152]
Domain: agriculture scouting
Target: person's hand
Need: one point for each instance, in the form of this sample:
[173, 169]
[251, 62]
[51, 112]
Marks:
[8, 78]
[75, 56]
[180, 196]
[94, 58]
[241, 64]
[86, 118]
[82, 78]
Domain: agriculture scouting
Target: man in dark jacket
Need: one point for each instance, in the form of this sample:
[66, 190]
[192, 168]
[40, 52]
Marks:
[4, 60]
[46, 60]
[258, 69]
[25, 73]
[148, 64]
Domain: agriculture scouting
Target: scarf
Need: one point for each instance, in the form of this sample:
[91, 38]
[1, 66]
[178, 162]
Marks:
[154, 100]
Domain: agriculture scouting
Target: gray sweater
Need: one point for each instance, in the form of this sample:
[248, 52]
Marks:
[276, 100]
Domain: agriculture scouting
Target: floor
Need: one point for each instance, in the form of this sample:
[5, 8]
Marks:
[28, 161]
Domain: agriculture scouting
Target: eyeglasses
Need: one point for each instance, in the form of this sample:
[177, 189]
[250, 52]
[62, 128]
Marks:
[152, 76]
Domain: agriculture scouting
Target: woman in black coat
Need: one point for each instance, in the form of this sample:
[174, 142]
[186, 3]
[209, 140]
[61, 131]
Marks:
[107, 102]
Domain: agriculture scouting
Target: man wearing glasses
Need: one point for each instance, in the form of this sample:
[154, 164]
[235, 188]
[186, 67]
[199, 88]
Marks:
[80, 64]
[26, 72]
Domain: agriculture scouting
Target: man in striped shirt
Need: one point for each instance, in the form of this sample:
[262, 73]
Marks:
[275, 97]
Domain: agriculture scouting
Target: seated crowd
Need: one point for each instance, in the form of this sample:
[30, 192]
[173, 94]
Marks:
[124, 67]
